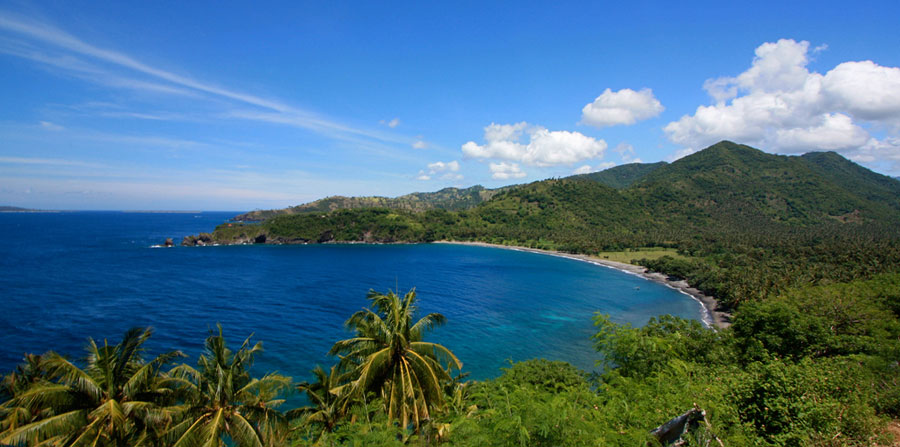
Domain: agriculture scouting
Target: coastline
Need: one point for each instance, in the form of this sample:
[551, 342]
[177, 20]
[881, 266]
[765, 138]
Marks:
[715, 318]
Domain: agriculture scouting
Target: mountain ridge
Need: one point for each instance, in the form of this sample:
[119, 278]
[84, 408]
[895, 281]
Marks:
[727, 179]
[622, 176]
[450, 198]
[748, 222]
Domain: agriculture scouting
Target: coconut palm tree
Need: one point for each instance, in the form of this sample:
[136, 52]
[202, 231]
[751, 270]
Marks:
[115, 400]
[26, 375]
[223, 401]
[387, 356]
[328, 397]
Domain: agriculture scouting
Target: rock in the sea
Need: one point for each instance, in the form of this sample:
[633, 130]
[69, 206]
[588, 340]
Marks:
[198, 240]
[169, 242]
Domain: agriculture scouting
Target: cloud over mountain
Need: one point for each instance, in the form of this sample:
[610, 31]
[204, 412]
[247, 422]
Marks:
[448, 170]
[505, 171]
[624, 107]
[534, 145]
[780, 105]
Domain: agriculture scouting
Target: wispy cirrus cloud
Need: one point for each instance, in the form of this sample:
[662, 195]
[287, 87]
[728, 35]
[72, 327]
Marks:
[76, 66]
[48, 162]
[48, 34]
[51, 46]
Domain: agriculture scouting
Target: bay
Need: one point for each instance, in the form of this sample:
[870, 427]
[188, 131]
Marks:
[68, 276]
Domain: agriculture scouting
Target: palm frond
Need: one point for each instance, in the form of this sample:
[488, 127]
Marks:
[425, 324]
[44, 396]
[243, 433]
[37, 431]
[129, 350]
[140, 379]
[438, 352]
[67, 373]
[194, 435]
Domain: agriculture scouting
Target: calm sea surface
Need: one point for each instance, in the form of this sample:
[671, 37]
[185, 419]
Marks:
[65, 277]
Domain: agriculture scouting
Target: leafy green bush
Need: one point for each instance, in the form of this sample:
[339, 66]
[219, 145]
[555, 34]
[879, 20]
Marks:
[545, 375]
[811, 401]
[534, 403]
[648, 349]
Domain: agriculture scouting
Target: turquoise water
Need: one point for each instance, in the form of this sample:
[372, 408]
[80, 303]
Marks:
[65, 277]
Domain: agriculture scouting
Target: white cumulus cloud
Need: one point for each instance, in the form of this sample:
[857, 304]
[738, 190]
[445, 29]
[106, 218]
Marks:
[440, 166]
[779, 66]
[625, 106]
[447, 170]
[836, 132]
[505, 171]
[534, 145]
[864, 89]
[420, 144]
[779, 105]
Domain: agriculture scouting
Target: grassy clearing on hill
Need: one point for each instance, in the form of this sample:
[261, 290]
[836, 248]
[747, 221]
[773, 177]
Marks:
[629, 255]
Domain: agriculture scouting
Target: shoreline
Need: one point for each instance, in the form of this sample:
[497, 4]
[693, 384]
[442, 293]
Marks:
[714, 318]
[712, 315]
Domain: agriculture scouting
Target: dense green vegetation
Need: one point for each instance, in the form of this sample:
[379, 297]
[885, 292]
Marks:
[622, 176]
[804, 250]
[814, 366]
[450, 199]
[748, 225]
[447, 198]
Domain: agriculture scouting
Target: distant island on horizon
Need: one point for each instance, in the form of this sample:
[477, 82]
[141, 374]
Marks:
[15, 209]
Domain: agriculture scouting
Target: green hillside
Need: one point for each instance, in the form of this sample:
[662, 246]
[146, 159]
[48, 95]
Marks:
[853, 177]
[451, 199]
[622, 176]
[447, 198]
[800, 190]
[746, 218]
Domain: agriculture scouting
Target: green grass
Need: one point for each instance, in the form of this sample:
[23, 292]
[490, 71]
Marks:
[640, 253]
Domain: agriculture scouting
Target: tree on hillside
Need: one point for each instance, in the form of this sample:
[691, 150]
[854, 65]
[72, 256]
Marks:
[223, 401]
[117, 399]
[387, 356]
[328, 397]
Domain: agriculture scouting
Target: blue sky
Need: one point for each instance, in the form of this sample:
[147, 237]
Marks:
[232, 106]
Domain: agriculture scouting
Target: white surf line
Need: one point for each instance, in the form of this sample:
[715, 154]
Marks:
[706, 316]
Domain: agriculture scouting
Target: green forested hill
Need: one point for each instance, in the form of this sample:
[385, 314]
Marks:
[622, 176]
[451, 199]
[853, 177]
[751, 223]
[801, 190]
[447, 198]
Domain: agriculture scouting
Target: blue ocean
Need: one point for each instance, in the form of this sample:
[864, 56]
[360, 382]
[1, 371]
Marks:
[68, 276]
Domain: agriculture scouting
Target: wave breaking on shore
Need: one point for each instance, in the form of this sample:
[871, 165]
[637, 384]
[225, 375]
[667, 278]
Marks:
[711, 316]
